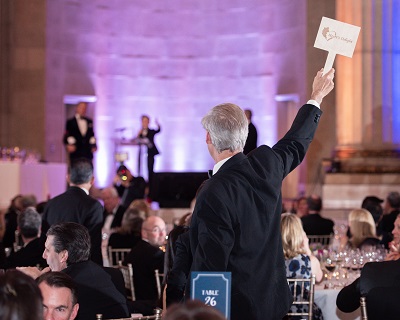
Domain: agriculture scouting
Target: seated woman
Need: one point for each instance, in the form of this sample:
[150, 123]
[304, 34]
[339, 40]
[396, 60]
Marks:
[362, 230]
[299, 261]
[128, 234]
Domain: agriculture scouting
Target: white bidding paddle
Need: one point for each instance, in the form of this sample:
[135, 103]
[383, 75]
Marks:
[336, 37]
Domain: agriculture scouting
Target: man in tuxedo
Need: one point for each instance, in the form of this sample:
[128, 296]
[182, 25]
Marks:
[313, 223]
[76, 205]
[29, 226]
[60, 300]
[380, 284]
[112, 208]
[79, 139]
[235, 224]
[145, 257]
[67, 249]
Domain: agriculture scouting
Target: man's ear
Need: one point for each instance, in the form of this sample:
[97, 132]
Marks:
[68, 178]
[74, 312]
[64, 256]
[208, 138]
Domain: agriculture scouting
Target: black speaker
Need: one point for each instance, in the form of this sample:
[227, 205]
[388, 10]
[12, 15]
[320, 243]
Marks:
[176, 189]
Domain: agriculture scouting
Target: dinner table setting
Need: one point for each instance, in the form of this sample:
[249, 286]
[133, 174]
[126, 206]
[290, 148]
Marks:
[341, 267]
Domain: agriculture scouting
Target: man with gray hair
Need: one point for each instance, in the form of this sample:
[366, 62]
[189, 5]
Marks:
[390, 212]
[29, 226]
[235, 224]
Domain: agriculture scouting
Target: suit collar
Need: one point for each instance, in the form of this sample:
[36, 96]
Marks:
[232, 161]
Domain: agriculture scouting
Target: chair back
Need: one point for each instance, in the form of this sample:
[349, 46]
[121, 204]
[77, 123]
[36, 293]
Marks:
[303, 296]
[159, 279]
[156, 316]
[127, 273]
[116, 254]
[363, 307]
[323, 240]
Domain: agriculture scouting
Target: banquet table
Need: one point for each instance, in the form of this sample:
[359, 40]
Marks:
[43, 180]
[325, 299]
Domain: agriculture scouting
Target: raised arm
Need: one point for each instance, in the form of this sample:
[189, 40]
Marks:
[322, 85]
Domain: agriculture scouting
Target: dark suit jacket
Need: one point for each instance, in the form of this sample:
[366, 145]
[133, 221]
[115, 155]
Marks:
[235, 224]
[314, 224]
[386, 225]
[145, 259]
[178, 275]
[380, 283]
[28, 256]
[251, 141]
[119, 214]
[83, 143]
[151, 149]
[118, 240]
[96, 292]
[11, 222]
[75, 205]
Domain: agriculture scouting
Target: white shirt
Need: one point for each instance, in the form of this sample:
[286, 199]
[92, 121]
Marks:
[82, 124]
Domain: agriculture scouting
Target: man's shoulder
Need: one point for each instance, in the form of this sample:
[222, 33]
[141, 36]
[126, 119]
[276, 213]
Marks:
[391, 217]
[84, 267]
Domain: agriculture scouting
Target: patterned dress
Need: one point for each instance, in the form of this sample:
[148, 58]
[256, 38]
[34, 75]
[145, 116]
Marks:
[299, 267]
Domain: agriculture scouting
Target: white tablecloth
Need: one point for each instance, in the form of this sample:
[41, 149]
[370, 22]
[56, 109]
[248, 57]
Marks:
[325, 299]
[42, 179]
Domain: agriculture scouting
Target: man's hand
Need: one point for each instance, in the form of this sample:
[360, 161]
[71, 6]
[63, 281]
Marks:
[33, 272]
[392, 256]
[322, 85]
[70, 148]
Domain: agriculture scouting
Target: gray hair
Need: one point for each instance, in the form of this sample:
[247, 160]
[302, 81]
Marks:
[228, 127]
[394, 199]
[29, 222]
[81, 171]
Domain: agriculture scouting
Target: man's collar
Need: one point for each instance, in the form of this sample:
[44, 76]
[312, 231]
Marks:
[84, 189]
[219, 164]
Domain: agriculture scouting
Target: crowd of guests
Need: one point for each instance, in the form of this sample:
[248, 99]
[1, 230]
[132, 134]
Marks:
[59, 245]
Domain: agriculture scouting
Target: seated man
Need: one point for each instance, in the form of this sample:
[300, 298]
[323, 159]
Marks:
[60, 299]
[145, 257]
[380, 284]
[113, 211]
[29, 225]
[67, 249]
[313, 223]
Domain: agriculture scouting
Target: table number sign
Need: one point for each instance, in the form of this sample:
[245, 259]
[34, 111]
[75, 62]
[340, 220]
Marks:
[336, 37]
[214, 289]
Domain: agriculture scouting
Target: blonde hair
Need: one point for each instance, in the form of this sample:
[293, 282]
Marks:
[292, 235]
[362, 226]
[142, 206]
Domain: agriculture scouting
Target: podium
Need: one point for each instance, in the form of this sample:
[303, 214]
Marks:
[134, 142]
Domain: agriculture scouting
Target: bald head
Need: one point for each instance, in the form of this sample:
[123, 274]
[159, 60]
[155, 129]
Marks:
[153, 231]
[110, 198]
